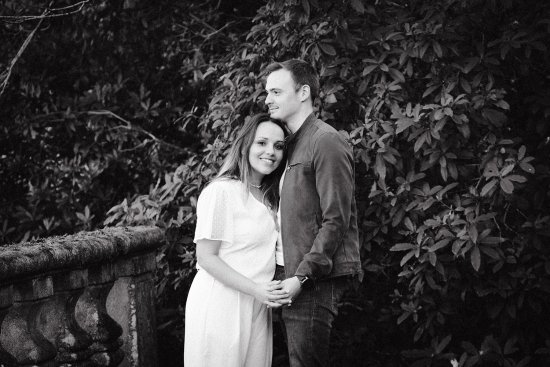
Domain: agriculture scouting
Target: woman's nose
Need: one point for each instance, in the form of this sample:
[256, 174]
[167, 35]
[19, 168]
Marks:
[270, 149]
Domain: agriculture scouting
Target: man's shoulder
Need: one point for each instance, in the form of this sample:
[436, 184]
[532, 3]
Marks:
[323, 127]
[321, 130]
[325, 132]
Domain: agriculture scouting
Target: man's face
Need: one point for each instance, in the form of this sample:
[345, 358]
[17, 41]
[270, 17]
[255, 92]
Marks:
[282, 98]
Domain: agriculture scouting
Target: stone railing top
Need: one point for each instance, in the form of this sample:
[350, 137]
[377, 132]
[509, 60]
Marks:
[78, 250]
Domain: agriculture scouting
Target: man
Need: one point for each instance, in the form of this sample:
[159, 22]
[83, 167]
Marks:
[318, 215]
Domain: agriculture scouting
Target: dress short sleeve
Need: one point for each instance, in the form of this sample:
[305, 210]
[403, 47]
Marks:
[214, 214]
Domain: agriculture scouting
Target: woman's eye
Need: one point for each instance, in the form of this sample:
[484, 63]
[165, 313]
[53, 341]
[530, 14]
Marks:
[279, 146]
[260, 142]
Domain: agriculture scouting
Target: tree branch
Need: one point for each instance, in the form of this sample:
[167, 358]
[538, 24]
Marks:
[18, 55]
[131, 127]
[48, 13]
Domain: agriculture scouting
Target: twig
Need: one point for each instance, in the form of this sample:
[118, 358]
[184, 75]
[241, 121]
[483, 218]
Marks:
[110, 113]
[48, 13]
[19, 53]
[202, 21]
[217, 31]
[131, 127]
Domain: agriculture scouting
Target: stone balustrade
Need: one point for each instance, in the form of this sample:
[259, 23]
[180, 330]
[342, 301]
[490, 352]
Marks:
[82, 300]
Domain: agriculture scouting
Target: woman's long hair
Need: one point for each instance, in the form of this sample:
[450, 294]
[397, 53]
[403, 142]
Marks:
[237, 166]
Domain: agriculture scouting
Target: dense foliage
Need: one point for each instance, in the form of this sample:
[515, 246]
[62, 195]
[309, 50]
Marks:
[446, 103]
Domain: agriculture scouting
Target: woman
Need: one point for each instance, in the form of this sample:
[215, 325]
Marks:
[227, 316]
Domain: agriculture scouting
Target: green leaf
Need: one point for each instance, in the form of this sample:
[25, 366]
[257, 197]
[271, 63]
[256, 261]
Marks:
[419, 142]
[439, 244]
[430, 90]
[441, 346]
[517, 178]
[491, 170]
[437, 49]
[307, 8]
[357, 5]
[497, 118]
[527, 167]
[409, 224]
[407, 257]
[404, 246]
[327, 48]
[488, 187]
[475, 258]
[491, 252]
[380, 166]
[521, 152]
[397, 75]
[331, 98]
[368, 69]
[403, 317]
[506, 170]
[506, 185]
[403, 124]
[473, 233]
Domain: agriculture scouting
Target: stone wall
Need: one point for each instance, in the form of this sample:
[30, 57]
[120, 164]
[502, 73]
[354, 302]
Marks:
[82, 300]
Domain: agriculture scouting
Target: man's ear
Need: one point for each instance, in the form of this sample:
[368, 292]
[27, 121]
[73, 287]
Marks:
[305, 92]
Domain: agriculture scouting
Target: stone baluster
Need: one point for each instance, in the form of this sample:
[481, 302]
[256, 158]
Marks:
[60, 297]
[59, 324]
[92, 316]
[6, 301]
[19, 334]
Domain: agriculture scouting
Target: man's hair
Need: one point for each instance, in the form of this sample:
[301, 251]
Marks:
[302, 73]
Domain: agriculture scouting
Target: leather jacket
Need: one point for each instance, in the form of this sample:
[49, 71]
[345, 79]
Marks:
[318, 210]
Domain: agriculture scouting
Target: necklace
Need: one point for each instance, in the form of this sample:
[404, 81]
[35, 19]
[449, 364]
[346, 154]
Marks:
[255, 186]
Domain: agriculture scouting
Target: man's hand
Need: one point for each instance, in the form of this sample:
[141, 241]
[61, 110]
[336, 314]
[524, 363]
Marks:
[293, 288]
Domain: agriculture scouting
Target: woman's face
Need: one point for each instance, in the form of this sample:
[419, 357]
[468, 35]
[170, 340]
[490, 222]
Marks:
[266, 151]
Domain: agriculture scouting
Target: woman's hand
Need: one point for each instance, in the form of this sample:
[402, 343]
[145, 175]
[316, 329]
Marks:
[271, 293]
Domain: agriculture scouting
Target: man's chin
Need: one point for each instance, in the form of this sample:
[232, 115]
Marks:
[275, 116]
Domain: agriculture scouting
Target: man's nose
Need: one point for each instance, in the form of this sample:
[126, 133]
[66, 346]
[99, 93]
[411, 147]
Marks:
[268, 98]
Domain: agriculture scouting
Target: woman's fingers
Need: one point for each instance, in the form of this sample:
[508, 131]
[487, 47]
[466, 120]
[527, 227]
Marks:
[278, 294]
[280, 298]
[275, 284]
[273, 304]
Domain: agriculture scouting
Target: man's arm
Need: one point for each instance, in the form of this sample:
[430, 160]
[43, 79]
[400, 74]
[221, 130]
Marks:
[333, 167]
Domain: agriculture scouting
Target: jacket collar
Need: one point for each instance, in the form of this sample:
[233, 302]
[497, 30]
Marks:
[293, 138]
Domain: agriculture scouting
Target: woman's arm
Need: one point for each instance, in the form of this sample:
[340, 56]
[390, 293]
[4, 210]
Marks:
[207, 257]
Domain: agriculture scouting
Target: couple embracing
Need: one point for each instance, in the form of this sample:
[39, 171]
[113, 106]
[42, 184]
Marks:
[276, 232]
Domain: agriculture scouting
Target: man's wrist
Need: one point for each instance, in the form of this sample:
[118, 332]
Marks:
[305, 281]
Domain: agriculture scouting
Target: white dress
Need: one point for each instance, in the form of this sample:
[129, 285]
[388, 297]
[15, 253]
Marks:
[224, 327]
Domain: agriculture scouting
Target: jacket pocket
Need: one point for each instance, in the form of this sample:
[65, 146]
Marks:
[304, 167]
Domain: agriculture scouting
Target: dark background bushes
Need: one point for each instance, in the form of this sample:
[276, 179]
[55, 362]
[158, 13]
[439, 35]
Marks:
[118, 113]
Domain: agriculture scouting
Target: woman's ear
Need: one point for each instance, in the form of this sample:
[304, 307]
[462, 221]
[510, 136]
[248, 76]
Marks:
[305, 92]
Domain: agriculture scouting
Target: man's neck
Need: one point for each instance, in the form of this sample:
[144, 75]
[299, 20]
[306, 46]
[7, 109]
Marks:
[298, 120]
